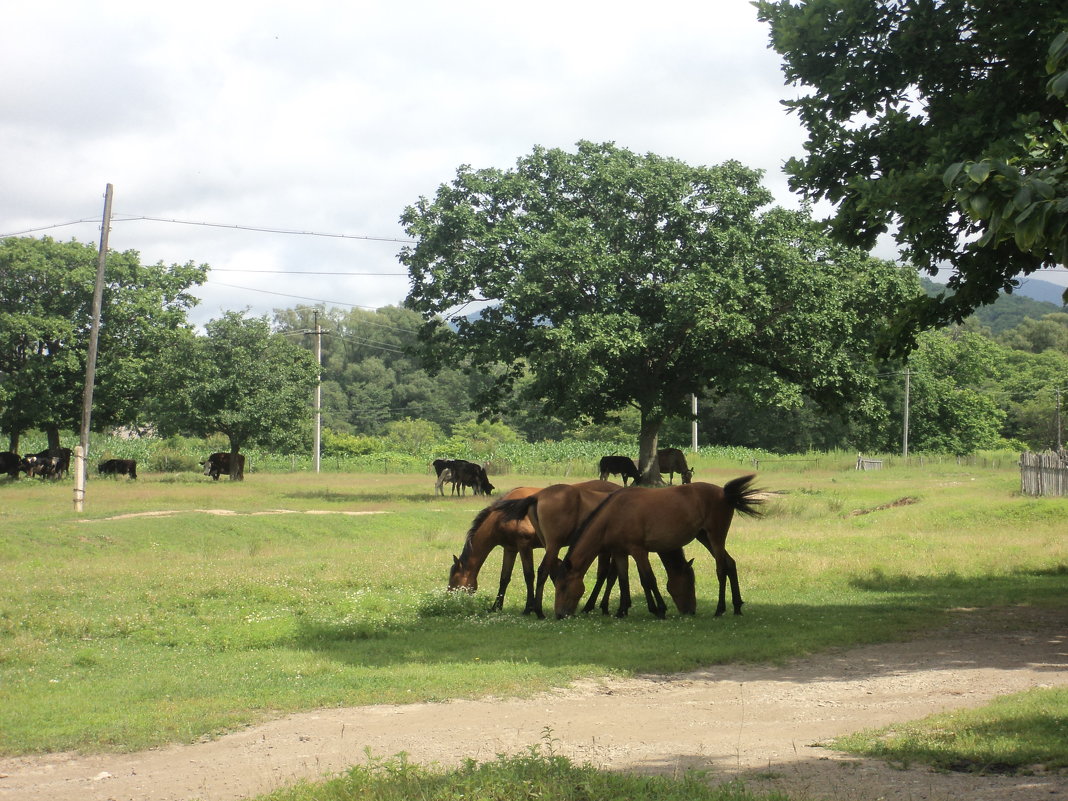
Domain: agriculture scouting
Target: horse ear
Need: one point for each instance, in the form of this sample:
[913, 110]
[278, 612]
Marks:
[690, 563]
[455, 559]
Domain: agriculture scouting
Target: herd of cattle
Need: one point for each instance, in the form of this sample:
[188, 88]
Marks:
[45, 464]
[462, 474]
[55, 463]
[459, 473]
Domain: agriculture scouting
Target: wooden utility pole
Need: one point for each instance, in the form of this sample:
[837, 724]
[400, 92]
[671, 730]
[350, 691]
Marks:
[90, 362]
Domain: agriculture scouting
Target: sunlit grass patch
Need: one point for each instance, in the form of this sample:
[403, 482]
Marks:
[1018, 733]
[539, 773]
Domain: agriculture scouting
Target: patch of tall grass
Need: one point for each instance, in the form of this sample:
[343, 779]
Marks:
[1019, 733]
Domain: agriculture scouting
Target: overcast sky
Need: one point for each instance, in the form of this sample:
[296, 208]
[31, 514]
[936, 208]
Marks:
[330, 118]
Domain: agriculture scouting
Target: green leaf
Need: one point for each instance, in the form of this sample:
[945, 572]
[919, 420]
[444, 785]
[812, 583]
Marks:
[950, 176]
[979, 171]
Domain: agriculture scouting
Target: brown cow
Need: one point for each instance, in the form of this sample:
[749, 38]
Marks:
[671, 462]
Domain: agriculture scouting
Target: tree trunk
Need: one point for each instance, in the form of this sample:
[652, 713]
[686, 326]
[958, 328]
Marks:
[648, 441]
[236, 473]
[13, 441]
[53, 439]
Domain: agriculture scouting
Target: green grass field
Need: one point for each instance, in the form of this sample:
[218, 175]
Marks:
[121, 630]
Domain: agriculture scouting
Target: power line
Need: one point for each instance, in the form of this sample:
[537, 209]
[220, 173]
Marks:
[233, 226]
[266, 229]
[47, 227]
[297, 297]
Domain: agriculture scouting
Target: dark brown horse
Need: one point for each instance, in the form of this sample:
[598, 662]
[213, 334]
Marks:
[637, 520]
[488, 530]
[555, 513]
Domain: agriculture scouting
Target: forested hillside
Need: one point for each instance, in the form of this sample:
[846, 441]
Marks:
[973, 386]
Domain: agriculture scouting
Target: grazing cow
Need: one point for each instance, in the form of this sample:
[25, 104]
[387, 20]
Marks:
[469, 474]
[671, 462]
[47, 463]
[10, 463]
[118, 467]
[218, 464]
[622, 466]
[462, 474]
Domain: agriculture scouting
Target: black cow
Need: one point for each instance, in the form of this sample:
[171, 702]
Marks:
[54, 463]
[10, 463]
[118, 467]
[218, 464]
[463, 474]
[622, 466]
[673, 461]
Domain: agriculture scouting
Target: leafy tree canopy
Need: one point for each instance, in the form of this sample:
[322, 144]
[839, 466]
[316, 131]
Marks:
[898, 93]
[617, 279]
[46, 293]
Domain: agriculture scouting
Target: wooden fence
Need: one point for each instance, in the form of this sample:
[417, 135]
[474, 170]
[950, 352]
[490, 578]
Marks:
[1044, 473]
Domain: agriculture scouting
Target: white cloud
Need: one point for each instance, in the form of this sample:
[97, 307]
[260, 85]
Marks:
[332, 117]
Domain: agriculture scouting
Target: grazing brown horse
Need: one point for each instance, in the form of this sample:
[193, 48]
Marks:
[637, 520]
[488, 530]
[556, 512]
[680, 583]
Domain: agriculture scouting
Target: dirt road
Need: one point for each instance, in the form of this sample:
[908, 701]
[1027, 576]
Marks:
[763, 724]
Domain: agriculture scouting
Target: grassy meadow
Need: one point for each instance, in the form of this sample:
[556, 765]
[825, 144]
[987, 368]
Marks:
[175, 608]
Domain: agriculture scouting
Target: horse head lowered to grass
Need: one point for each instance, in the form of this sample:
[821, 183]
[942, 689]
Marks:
[488, 530]
[555, 512]
[637, 520]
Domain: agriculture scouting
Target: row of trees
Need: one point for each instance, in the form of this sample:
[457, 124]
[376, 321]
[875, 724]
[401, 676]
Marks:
[970, 389]
[253, 382]
[239, 378]
[610, 283]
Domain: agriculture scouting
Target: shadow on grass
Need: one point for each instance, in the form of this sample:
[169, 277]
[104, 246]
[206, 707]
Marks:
[942, 611]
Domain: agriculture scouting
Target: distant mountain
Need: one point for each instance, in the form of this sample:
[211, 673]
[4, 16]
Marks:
[1041, 290]
[1033, 299]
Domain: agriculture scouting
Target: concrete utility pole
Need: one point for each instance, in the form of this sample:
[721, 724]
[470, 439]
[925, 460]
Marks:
[90, 362]
[693, 423]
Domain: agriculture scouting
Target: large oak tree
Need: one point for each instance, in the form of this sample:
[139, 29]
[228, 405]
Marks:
[617, 279]
[240, 379]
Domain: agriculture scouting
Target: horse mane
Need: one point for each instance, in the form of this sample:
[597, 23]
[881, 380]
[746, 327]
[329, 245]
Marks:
[480, 518]
[743, 498]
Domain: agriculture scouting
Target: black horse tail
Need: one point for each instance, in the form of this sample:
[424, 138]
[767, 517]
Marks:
[742, 497]
[514, 508]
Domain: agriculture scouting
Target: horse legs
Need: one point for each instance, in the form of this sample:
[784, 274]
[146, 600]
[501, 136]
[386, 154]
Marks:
[526, 556]
[507, 563]
[605, 575]
[653, 598]
[549, 565]
[726, 569]
[619, 562]
[730, 570]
